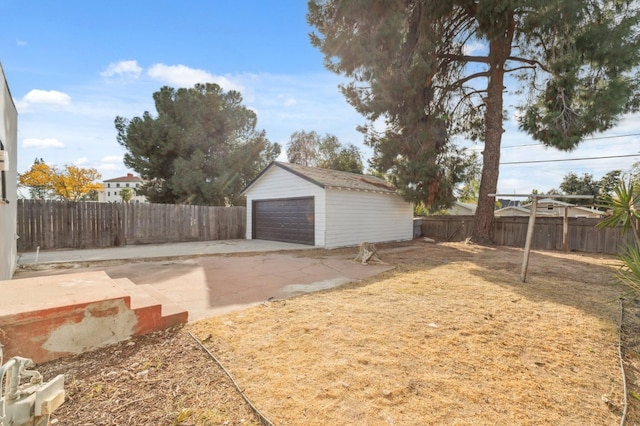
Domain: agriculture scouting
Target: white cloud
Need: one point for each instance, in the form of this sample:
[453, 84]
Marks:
[46, 97]
[290, 102]
[112, 159]
[474, 47]
[183, 76]
[80, 161]
[109, 167]
[42, 143]
[129, 69]
[21, 42]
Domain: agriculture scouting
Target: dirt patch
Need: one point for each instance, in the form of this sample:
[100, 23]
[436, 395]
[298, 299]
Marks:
[164, 378]
[450, 336]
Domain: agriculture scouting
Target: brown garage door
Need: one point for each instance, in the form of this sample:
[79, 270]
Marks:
[290, 220]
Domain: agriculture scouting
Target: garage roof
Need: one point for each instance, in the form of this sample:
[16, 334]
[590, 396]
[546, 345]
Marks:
[326, 178]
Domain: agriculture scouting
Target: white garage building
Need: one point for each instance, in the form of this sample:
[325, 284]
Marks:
[324, 208]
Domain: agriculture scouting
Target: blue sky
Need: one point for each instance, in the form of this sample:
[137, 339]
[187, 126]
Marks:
[73, 66]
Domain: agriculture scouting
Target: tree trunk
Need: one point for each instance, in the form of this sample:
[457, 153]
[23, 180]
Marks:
[499, 51]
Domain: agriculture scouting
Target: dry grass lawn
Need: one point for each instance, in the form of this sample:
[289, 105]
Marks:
[450, 336]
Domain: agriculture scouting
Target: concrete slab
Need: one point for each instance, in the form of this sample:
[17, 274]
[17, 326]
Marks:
[51, 292]
[151, 251]
[209, 286]
[72, 307]
[206, 285]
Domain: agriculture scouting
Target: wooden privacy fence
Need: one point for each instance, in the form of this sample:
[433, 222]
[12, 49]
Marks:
[512, 231]
[65, 224]
[59, 224]
[163, 223]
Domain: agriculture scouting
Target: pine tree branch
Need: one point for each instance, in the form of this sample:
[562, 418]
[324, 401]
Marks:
[462, 81]
[466, 97]
[465, 58]
[532, 62]
[524, 67]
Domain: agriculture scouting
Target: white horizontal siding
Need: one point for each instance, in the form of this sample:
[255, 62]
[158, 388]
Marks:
[277, 183]
[355, 216]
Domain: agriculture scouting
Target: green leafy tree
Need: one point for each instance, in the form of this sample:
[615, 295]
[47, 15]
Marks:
[126, 194]
[432, 69]
[572, 184]
[202, 147]
[469, 190]
[585, 184]
[92, 195]
[303, 148]
[311, 149]
[609, 182]
[333, 155]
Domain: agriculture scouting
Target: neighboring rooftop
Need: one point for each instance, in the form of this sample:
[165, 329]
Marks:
[128, 178]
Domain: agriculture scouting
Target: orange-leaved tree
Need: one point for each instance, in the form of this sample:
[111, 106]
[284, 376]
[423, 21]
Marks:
[38, 179]
[73, 183]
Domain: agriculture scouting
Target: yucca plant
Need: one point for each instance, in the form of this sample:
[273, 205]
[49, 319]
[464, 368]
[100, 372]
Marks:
[622, 211]
[629, 273]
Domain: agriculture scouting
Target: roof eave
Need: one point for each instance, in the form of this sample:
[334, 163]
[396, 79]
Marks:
[373, 191]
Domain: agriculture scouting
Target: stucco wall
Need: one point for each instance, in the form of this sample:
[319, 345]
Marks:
[277, 183]
[354, 217]
[8, 208]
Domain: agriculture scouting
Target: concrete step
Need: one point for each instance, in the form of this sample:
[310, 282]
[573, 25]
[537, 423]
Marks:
[172, 313]
[139, 298]
[44, 318]
[154, 310]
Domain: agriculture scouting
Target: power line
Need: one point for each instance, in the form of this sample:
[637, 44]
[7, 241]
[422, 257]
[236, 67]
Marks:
[588, 139]
[570, 159]
[612, 137]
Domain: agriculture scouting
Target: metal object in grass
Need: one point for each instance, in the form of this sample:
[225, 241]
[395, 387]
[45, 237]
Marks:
[24, 399]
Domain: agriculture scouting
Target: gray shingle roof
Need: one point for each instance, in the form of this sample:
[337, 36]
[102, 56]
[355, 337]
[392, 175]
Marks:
[326, 178]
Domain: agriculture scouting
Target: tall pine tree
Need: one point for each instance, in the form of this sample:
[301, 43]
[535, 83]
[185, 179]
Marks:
[432, 69]
[201, 148]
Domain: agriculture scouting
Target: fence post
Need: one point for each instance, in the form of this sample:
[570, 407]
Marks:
[527, 244]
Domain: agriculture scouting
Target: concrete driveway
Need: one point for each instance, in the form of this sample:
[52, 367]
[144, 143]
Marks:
[243, 273]
[212, 285]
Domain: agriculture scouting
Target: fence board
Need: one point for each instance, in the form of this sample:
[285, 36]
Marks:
[64, 224]
[512, 231]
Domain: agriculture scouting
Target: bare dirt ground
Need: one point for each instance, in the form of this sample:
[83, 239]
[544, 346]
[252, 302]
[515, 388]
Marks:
[450, 336]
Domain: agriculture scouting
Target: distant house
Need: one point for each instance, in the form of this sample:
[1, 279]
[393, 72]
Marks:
[517, 211]
[325, 208]
[549, 207]
[462, 209]
[506, 202]
[112, 188]
[8, 180]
